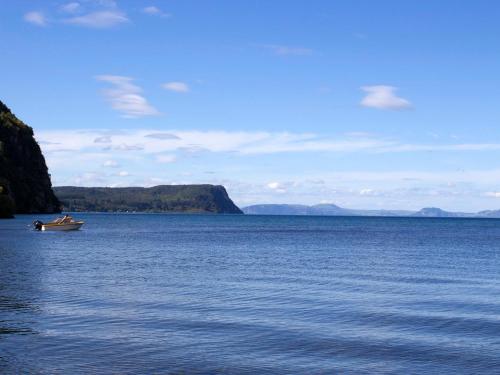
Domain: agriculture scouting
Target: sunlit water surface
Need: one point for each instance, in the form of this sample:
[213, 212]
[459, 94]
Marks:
[143, 294]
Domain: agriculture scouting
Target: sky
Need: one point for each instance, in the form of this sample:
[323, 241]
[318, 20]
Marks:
[365, 104]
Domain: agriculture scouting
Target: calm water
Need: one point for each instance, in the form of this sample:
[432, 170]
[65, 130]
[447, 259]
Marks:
[247, 294]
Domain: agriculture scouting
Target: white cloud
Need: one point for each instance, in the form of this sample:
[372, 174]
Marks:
[90, 179]
[123, 174]
[99, 14]
[383, 97]
[106, 3]
[154, 11]
[176, 86]
[239, 142]
[100, 19]
[165, 159]
[273, 185]
[288, 50]
[126, 97]
[277, 187]
[126, 147]
[71, 8]
[343, 188]
[69, 153]
[110, 164]
[35, 18]
[361, 188]
[443, 147]
[151, 10]
[493, 194]
[367, 192]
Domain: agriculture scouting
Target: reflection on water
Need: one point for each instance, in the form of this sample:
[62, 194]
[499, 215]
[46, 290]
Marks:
[235, 294]
[11, 313]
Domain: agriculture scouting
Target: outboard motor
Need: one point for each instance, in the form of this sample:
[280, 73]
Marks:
[37, 224]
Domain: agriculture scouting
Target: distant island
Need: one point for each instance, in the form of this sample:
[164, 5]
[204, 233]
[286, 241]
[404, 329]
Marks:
[163, 198]
[334, 210]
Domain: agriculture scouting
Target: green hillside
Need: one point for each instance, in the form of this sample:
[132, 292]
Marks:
[163, 198]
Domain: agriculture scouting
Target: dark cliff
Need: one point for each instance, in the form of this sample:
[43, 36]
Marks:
[25, 185]
[163, 198]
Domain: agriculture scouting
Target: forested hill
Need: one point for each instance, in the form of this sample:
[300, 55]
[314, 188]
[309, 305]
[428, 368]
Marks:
[163, 198]
[25, 185]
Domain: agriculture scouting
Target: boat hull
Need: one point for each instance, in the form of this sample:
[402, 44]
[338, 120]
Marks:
[61, 227]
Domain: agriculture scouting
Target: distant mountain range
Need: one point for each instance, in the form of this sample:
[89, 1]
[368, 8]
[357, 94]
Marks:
[334, 210]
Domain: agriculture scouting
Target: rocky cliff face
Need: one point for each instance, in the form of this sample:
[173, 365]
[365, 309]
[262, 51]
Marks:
[25, 185]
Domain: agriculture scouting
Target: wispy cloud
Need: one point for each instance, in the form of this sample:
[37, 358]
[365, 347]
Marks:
[368, 192]
[103, 139]
[98, 14]
[128, 147]
[359, 134]
[493, 194]
[155, 11]
[36, 18]
[100, 19]
[126, 97]
[383, 97]
[69, 153]
[110, 164]
[240, 142]
[90, 179]
[375, 189]
[162, 136]
[176, 86]
[281, 50]
[164, 159]
[71, 8]
[444, 147]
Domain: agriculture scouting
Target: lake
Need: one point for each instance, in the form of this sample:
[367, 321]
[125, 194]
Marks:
[222, 294]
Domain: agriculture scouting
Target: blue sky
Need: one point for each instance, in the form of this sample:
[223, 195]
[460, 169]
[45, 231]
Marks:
[360, 103]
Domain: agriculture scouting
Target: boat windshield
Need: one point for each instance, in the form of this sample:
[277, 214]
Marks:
[63, 220]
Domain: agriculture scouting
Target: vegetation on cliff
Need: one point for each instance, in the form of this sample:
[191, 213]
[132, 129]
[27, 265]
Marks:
[7, 206]
[163, 198]
[25, 185]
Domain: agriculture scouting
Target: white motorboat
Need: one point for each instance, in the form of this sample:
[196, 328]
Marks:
[60, 224]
